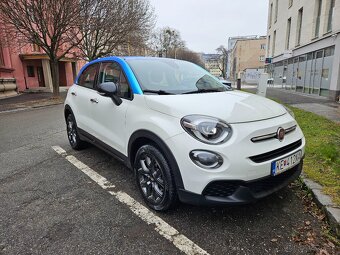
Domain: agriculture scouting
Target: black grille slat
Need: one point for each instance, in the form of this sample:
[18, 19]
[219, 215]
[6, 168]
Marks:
[270, 182]
[276, 153]
[228, 188]
[220, 189]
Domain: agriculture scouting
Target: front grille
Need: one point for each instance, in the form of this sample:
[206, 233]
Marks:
[228, 188]
[270, 182]
[262, 138]
[220, 188]
[276, 153]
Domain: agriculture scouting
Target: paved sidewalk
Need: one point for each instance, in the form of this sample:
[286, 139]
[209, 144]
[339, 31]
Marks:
[316, 104]
[30, 100]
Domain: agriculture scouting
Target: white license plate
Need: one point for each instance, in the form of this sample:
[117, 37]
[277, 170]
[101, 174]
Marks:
[282, 165]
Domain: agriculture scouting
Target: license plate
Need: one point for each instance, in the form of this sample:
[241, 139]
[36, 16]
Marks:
[282, 165]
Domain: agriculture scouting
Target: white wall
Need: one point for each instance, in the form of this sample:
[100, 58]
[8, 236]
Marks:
[252, 75]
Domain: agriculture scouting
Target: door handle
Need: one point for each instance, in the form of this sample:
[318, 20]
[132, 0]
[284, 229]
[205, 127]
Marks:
[73, 94]
[94, 100]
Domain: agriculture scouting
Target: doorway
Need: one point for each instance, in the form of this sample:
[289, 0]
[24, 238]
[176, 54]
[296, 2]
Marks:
[41, 79]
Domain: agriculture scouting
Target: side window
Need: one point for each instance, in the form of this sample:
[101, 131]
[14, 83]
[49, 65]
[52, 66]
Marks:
[88, 77]
[109, 72]
[112, 72]
[124, 87]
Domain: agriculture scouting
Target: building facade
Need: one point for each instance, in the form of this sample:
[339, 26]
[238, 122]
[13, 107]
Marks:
[213, 64]
[231, 43]
[304, 46]
[25, 67]
[247, 53]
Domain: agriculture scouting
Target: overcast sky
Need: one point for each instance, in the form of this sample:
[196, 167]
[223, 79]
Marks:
[206, 24]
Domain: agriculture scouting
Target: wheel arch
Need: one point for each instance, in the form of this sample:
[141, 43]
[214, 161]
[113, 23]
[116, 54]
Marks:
[67, 111]
[141, 137]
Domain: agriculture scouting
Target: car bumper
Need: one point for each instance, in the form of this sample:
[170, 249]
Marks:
[242, 159]
[242, 192]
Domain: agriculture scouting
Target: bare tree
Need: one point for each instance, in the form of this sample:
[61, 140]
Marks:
[166, 40]
[188, 55]
[224, 59]
[53, 25]
[112, 25]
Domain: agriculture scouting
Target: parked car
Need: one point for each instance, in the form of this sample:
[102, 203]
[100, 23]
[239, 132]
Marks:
[226, 83]
[185, 136]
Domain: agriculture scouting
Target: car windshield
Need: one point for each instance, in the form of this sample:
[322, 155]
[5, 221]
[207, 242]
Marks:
[170, 76]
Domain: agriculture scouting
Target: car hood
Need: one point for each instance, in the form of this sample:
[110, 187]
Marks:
[231, 106]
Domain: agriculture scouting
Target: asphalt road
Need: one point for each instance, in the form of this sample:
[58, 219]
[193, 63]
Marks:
[48, 206]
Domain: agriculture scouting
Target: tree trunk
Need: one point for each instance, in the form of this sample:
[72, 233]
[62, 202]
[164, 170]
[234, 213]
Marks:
[55, 77]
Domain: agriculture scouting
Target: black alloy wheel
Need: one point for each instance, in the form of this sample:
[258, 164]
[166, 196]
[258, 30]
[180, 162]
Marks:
[154, 178]
[72, 133]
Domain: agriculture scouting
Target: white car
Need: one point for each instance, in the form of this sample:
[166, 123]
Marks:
[183, 133]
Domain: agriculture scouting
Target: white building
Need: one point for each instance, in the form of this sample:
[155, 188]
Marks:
[304, 44]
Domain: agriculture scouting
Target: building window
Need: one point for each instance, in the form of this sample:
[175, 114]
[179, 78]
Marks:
[268, 48]
[35, 48]
[30, 71]
[318, 6]
[289, 26]
[276, 10]
[329, 51]
[299, 26]
[330, 15]
[319, 54]
[262, 58]
[263, 46]
[274, 42]
[290, 3]
[270, 14]
[2, 61]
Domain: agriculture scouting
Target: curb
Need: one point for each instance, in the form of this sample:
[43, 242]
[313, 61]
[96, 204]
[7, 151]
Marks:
[29, 108]
[325, 203]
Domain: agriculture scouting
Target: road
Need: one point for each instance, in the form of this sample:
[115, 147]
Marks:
[49, 206]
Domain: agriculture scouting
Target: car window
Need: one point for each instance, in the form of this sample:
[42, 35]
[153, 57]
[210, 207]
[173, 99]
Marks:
[88, 77]
[112, 72]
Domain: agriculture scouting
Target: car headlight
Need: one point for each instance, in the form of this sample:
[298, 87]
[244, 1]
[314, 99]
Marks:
[207, 129]
[289, 111]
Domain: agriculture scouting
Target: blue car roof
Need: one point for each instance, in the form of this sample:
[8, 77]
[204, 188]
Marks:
[136, 89]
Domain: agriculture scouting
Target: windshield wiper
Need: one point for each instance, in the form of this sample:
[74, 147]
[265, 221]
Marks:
[159, 92]
[203, 91]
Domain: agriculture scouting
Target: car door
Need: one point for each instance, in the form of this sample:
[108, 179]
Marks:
[81, 95]
[110, 118]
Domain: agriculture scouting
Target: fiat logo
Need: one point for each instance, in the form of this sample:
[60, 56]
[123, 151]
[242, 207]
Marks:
[280, 134]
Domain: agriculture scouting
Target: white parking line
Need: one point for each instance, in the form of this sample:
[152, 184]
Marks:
[183, 243]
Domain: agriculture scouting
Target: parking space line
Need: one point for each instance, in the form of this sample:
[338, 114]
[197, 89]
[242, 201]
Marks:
[180, 241]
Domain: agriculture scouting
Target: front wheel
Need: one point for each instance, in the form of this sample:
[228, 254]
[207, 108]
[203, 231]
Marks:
[72, 133]
[154, 178]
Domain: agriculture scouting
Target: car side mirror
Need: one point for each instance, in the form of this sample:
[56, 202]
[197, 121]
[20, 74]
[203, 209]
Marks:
[110, 89]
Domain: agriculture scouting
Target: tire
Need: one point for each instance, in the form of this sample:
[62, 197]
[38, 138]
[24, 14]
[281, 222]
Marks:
[154, 178]
[72, 133]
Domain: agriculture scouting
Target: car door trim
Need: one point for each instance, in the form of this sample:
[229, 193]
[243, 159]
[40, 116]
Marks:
[103, 146]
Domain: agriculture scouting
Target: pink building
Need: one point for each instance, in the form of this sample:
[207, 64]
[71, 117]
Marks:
[28, 67]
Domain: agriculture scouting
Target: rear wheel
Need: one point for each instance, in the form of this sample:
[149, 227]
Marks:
[154, 178]
[72, 133]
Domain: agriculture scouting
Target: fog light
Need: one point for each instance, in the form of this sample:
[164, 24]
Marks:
[206, 159]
